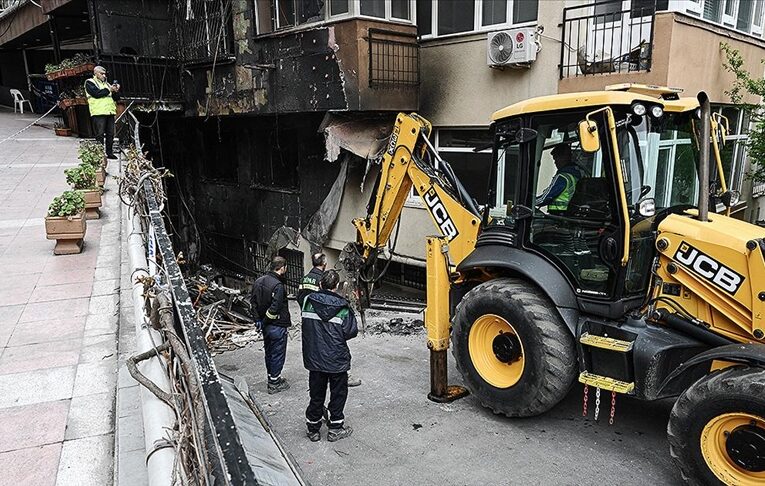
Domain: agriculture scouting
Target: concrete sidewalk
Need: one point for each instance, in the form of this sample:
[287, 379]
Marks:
[59, 321]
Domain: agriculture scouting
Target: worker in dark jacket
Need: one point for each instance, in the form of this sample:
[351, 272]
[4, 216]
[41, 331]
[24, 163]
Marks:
[328, 322]
[310, 284]
[269, 304]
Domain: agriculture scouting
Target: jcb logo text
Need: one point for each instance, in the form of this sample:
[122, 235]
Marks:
[709, 268]
[437, 209]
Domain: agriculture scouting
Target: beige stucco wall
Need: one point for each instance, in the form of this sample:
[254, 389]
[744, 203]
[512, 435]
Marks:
[459, 89]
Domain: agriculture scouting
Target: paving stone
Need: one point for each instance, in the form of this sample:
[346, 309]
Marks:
[97, 377]
[54, 354]
[104, 304]
[36, 386]
[106, 273]
[130, 430]
[47, 331]
[19, 432]
[91, 415]
[87, 461]
[55, 310]
[34, 466]
[129, 401]
[98, 348]
[45, 293]
[97, 324]
[106, 287]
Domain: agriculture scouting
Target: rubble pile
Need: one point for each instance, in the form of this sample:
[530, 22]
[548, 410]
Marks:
[223, 313]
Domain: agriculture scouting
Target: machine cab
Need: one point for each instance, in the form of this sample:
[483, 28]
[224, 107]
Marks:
[583, 180]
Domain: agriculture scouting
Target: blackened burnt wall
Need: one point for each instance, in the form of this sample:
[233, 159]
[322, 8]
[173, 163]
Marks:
[245, 177]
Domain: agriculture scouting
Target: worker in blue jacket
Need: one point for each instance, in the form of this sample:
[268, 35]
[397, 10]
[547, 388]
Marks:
[328, 323]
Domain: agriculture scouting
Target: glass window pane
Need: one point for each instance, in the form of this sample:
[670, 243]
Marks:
[712, 10]
[494, 12]
[310, 11]
[455, 16]
[373, 8]
[463, 138]
[758, 13]
[424, 17]
[645, 8]
[729, 5]
[732, 115]
[525, 10]
[607, 12]
[744, 21]
[286, 12]
[473, 171]
[337, 7]
[399, 9]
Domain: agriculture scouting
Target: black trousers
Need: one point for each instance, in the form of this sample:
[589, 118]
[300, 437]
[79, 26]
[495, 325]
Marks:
[104, 126]
[338, 394]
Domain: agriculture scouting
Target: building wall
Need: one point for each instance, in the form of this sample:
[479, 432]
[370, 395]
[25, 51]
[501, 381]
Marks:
[459, 89]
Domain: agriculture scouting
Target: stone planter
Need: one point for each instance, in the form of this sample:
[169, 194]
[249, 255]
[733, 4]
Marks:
[68, 231]
[92, 203]
[100, 177]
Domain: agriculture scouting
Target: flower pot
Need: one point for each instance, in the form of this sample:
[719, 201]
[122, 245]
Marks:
[68, 231]
[92, 203]
[100, 177]
[63, 132]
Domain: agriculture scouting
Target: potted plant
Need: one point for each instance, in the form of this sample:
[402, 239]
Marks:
[92, 153]
[65, 222]
[61, 130]
[83, 178]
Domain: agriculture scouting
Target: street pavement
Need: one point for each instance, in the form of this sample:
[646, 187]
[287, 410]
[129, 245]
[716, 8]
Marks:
[59, 327]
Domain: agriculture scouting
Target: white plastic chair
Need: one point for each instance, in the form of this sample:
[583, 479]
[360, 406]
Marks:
[18, 101]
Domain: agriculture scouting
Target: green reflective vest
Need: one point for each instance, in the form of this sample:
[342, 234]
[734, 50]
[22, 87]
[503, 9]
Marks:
[560, 203]
[100, 106]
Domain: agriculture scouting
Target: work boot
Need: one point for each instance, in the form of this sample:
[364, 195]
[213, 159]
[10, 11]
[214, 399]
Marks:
[353, 381]
[313, 436]
[339, 433]
[111, 156]
[278, 386]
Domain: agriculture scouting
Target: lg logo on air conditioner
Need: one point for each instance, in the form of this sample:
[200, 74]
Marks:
[709, 268]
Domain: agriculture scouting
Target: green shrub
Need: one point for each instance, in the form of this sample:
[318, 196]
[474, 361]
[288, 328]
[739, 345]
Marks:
[82, 177]
[69, 203]
[91, 153]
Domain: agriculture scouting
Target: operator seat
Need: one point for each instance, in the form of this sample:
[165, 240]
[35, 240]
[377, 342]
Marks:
[591, 199]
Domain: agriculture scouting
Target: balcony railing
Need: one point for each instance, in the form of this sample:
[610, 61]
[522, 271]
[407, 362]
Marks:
[154, 79]
[603, 37]
[758, 189]
[394, 59]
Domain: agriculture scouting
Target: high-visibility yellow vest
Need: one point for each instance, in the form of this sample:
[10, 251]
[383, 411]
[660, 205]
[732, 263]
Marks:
[560, 203]
[100, 106]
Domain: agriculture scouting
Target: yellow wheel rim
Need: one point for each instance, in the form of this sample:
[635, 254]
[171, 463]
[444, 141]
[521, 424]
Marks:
[714, 448]
[496, 351]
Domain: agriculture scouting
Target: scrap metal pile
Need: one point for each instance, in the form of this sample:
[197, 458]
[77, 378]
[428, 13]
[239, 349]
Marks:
[223, 312]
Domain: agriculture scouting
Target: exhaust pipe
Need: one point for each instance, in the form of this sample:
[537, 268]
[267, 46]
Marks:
[704, 141]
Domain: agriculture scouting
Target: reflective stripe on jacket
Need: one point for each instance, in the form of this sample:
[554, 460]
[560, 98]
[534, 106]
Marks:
[100, 106]
[309, 285]
[560, 203]
[269, 300]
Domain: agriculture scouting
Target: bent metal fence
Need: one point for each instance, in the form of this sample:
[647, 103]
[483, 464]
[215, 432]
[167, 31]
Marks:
[219, 434]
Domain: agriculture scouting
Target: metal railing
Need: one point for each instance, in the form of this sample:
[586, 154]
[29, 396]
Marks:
[204, 29]
[603, 37]
[394, 59]
[154, 79]
[758, 189]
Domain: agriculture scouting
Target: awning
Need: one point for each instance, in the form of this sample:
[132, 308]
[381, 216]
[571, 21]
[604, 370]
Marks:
[364, 135]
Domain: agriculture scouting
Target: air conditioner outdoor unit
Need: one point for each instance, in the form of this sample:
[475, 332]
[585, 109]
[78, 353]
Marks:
[514, 47]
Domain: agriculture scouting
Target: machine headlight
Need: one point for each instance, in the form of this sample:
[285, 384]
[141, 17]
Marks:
[638, 109]
[647, 207]
[657, 111]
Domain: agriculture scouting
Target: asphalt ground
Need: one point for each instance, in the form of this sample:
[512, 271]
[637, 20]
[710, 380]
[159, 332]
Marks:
[402, 438]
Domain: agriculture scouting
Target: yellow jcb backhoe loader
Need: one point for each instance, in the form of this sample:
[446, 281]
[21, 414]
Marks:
[624, 281]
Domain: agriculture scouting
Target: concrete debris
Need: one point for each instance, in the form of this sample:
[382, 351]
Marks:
[381, 323]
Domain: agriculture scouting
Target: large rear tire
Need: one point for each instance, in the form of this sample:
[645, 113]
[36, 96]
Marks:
[716, 430]
[512, 348]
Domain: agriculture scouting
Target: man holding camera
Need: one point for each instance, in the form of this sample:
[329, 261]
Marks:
[101, 103]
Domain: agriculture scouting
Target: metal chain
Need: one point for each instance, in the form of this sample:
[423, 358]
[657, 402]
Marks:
[613, 408]
[584, 405]
[597, 402]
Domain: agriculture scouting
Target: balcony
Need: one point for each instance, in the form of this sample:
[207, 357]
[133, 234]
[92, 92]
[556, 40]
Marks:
[640, 45]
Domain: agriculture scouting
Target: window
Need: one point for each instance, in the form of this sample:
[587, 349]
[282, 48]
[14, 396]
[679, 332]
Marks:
[276, 159]
[608, 12]
[273, 15]
[733, 153]
[472, 169]
[644, 8]
[743, 15]
[453, 17]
